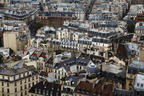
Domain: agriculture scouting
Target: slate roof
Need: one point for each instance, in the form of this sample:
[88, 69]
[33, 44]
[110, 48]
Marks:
[74, 79]
[46, 88]
[71, 62]
[122, 92]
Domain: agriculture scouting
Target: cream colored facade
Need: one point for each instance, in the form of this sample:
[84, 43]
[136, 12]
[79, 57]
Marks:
[17, 85]
[15, 41]
[33, 94]
[5, 1]
[10, 41]
[139, 28]
[130, 80]
[141, 53]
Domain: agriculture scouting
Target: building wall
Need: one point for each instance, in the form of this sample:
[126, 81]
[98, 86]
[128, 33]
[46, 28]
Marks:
[4, 1]
[60, 73]
[53, 21]
[18, 87]
[9, 39]
[130, 80]
[33, 94]
[141, 53]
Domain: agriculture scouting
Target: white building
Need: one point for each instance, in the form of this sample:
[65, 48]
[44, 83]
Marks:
[139, 83]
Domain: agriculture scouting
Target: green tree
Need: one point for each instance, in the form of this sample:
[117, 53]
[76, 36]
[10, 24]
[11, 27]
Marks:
[130, 27]
[38, 25]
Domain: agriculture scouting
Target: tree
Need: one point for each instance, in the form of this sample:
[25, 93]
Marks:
[130, 27]
[38, 25]
[34, 26]
[1, 59]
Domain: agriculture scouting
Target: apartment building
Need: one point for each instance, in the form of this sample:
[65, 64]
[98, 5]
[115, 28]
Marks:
[139, 30]
[70, 66]
[17, 41]
[17, 82]
[5, 2]
[45, 88]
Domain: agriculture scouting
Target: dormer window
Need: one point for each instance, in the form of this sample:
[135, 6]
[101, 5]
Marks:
[45, 86]
[35, 90]
[141, 85]
[138, 84]
[51, 94]
[23, 74]
[47, 92]
[140, 24]
[27, 73]
[39, 91]
[19, 75]
[43, 92]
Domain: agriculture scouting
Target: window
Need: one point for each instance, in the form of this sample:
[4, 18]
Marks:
[7, 84]
[47, 92]
[21, 88]
[25, 92]
[25, 87]
[141, 85]
[57, 94]
[21, 93]
[15, 83]
[2, 89]
[21, 82]
[24, 74]
[2, 83]
[29, 85]
[25, 80]
[43, 92]
[8, 78]
[29, 79]
[138, 84]
[7, 90]
[15, 89]
[32, 77]
[14, 77]
[36, 76]
[19, 75]
[33, 84]
[27, 73]
[39, 91]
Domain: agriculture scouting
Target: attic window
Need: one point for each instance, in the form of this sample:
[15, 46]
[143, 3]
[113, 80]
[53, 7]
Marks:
[46, 92]
[39, 91]
[43, 92]
[35, 90]
[141, 85]
[140, 24]
[138, 84]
